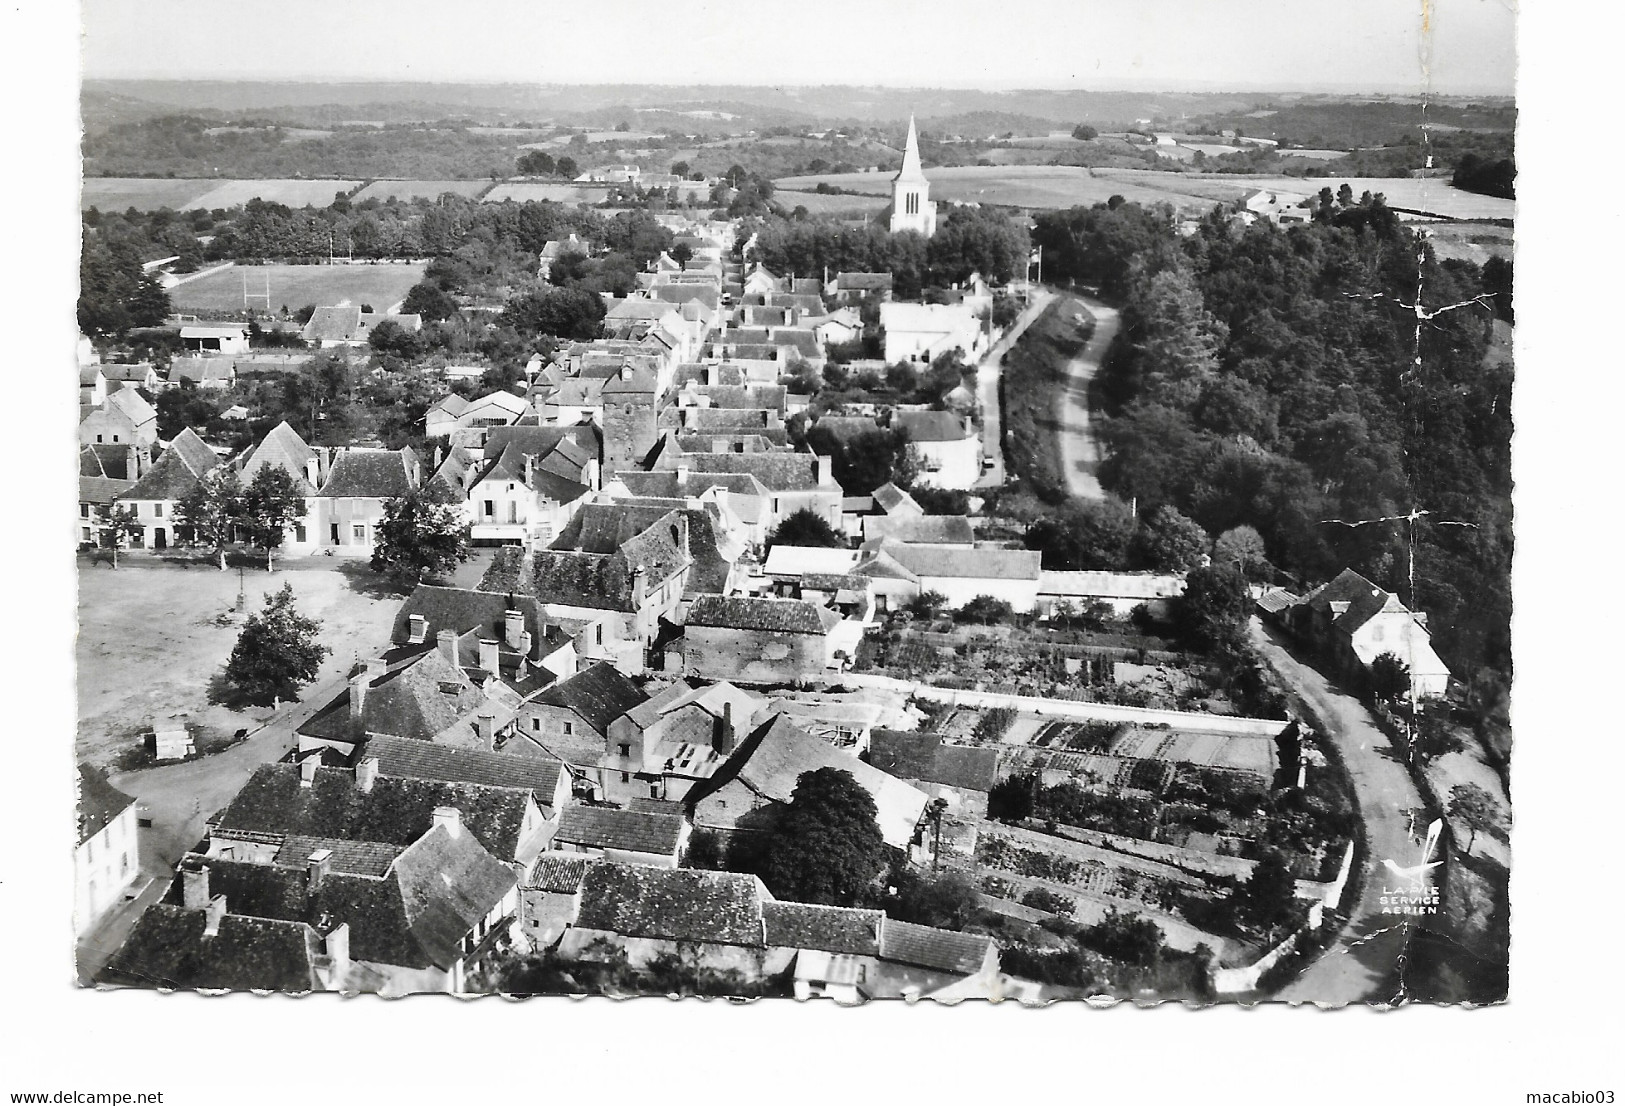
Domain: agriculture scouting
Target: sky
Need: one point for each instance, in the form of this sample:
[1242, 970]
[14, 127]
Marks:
[1467, 46]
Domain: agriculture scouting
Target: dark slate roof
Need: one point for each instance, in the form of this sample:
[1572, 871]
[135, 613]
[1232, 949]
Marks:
[560, 873]
[608, 527]
[96, 489]
[410, 699]
[837, 929]
[462, 610]
[629, 830]
[110, 461]
[167, 948]
[424, 760]
[599, 694]
[942, 949]
[600, 581]
[283, 448]
[678, 904]
[506, 573]
[785, 616]
[99, 801]
[537, 441]
[655, 806]
[369, 473]
[1364, 599]
[862, 281]
[925, 757]
[397, 811]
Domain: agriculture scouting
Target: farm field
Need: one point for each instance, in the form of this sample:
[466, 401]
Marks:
[1051, 186]
[221, 293]
[819, 203]
[542, 190]
[1038, 186]
[1475, 242]
[419, 189]
[294, 193]
[141, 193]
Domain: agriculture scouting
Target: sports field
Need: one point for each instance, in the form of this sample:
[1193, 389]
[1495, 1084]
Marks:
[221, 292]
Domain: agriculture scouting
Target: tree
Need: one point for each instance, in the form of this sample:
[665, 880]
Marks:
[946, 901]
[1083, 132]
[1267, 898]
[1389, 678]
[118, 527]
[927, 605]
[1083, 536]
[537, 163]
[277, 653]
[1241, 546]
[805, 527]
[211, 509]
[1125, 937]
[1470, 803]
[1011, 799]
[419, 536]
[430, 301]
[682, 253]
[826, 846]
[704, 851]
[1167, 541]
[987, 610]
[573, 313]
[567, 167]
[1212, 614]
[271, 504]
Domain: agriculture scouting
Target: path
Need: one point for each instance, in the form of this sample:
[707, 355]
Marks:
[988, 372]
[1080, 453]
[1359, 964]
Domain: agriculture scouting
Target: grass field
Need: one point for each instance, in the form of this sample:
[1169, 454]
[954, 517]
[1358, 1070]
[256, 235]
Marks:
[542, 190]
[819, 203]
[415, 189]
[294, 193]
[1475, 242]
[142, 193]
[152, 637]
[221, 292]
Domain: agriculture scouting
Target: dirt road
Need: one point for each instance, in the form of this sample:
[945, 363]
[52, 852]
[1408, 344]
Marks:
[1360, 965]
[1080, 453]
[988, 373]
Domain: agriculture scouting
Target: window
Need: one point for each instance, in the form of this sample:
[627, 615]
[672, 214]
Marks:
[626, 777]
[626, 750]
[569, 729]
[98, 438]
[536, 725]
[490, 508]
[359, 531]
[157, 510]
[84, 510]
[299, 532]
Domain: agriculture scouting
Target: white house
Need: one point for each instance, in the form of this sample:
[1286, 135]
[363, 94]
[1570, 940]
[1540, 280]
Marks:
[949, 447]
[923, 331]
[107, 858]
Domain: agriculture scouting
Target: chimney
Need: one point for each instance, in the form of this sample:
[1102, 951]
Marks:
[195, 887]
[358, 692]
[451, 818]
[307, 769]
[418, 629]
[366, 774]
[513, 630]
[824, 474]
[683, 470]
[485, 724]
[336, 944]
[490, 656]
[724, 743]
[318, 866]
[640, 585]
[446, 642]
[216, 911]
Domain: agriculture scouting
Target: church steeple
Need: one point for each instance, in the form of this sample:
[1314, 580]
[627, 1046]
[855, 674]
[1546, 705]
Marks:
[911, 206]
[911, 170]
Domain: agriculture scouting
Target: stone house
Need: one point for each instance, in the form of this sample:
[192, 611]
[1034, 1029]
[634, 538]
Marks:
[759, 640]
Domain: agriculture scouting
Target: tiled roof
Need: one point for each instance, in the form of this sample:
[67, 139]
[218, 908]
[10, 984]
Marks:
[628, 830]
[779, 472]
[677, 904]
[462, 610]
[398, 810]
[1276, 600]
[167, 948]
[99, 801]
[283, 448]
[176, 473]
[425, 760]
[420, 694]
[199, 370]
[958, 561]
[836, 929]
[110, 461]
[1110, 585]
[942, 949]
[560, 873]
[894, 500]
[929, 529]
[599, 694]
[356, 858]
[925, 757]
[785, 616]
[854, 282]
[931, 426]
[332, 324]
[370, 474]
[101, 490]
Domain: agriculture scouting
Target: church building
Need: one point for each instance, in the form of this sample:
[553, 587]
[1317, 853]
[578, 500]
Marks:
[911, 206]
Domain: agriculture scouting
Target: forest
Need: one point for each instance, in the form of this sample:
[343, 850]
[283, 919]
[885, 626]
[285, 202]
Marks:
[1283, 380]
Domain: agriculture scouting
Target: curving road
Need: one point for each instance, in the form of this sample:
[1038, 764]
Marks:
[988, 371]
[1360, 965]
[1080, 453]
